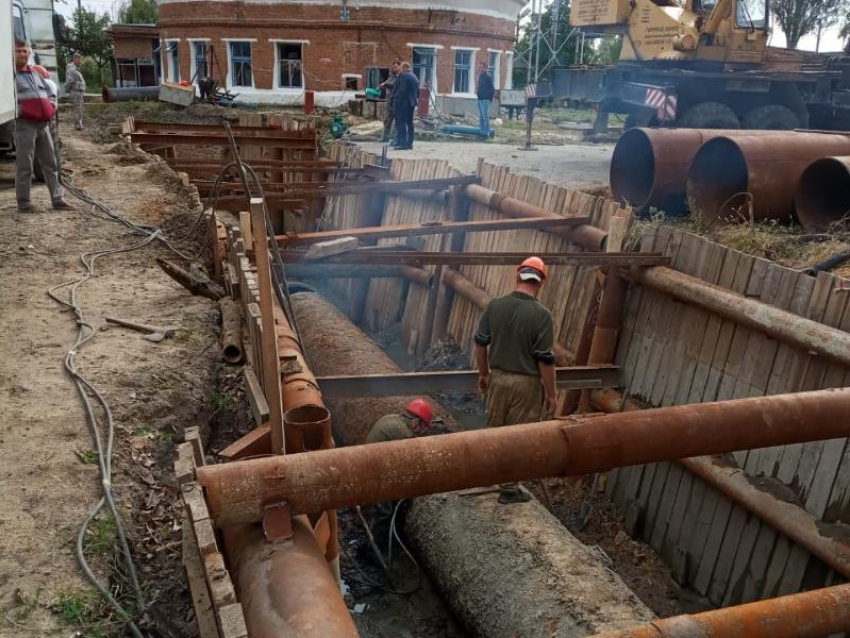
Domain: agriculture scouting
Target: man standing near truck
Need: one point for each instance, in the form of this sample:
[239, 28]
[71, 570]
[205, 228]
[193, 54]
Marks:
[32, 133]
[515, 339]
[75, 86]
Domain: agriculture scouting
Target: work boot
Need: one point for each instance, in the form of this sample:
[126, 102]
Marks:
[509, 494]
[63, 205]
[25, 208]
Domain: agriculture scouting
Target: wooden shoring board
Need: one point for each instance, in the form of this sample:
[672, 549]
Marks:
[200, 593]
[623, 484]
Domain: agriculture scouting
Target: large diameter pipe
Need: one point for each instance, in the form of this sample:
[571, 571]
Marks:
[823, 197]
[306, 270]
[111, 94]
[789, 519]
[812, 614]
[286, 588]
[782, 325]
[330, 479]
[649, 167]
[755, 176]
[586, 235]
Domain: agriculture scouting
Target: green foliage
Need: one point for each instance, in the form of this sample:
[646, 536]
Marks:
[102, 537]
[799, 18]
[138, 12]
[608, 50]
[557, 13]
[222, 401]
[89, 457]
[88, 36]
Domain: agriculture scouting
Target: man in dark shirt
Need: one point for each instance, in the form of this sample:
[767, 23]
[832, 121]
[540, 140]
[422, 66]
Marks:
[406, 99]
[514, 347]
[486, 93]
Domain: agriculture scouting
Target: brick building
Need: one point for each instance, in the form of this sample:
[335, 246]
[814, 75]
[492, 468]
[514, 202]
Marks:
[272, 50]
[136, 54]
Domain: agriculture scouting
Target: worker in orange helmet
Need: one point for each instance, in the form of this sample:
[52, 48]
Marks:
[514, 347]
[414, 421]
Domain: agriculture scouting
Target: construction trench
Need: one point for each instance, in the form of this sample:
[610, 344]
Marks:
[692, 386]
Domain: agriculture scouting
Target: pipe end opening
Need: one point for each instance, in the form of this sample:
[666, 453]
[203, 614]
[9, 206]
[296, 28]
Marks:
[718, 183]
[823, 197]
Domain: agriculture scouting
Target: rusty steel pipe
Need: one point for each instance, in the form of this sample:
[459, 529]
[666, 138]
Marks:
[823, 196]
[732, 177]
[286, 588]
[231, 331]
[110, 94]
[782, 325]
[812, 614]
[789, 519]
[649, 167]
[307, 270]
[361, 475]
[586, 235]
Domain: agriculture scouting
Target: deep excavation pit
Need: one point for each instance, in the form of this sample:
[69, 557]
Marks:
[506, 571]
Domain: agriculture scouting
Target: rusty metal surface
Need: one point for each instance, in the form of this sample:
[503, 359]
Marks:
[808, 335]
[755, 176]
[466, 289]
[286, 588]
[330, 479]
[389, 257]
[307, 270]
[231, 331]
[434, 228]
[823, 196]
[586, 235]
[650, 166]
[295, 143]
[453, 382]
[812, 614]
[789, 519]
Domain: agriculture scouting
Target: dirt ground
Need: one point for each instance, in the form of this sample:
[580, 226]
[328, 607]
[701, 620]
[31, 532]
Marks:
[49, 475]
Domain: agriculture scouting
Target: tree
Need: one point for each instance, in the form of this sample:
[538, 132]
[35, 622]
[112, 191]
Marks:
[88, 36]
[138, 12]
[799, 18]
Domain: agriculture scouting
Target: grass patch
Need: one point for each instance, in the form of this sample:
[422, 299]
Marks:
[102, 537]
[89, 457]
[222, 401]
[25, 604]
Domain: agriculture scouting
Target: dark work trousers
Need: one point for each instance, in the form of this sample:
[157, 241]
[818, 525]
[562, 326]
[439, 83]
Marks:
[404, 125]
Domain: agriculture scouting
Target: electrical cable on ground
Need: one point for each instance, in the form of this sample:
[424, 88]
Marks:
[386, 565]
[85, 332]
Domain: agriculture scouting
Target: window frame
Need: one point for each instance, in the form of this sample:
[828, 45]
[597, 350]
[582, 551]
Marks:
[172, 58]
[230, 64]
[433, 68]
[277, 62]
[193, 61]
[495, 71]
[470, 84]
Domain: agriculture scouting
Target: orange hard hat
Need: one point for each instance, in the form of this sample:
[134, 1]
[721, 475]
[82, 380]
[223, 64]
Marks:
[533, 264]
[421, 409]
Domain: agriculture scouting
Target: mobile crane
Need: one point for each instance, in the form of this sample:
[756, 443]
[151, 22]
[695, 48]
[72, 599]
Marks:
[703, 64]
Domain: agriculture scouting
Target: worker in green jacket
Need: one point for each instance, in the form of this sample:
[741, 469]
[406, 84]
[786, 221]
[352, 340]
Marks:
[514, 347]
[414, 421]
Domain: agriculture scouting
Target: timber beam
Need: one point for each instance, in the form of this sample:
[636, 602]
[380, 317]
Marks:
[455, 382]
[384, 257]
[435, 228]
[295, 143]
[366, 474]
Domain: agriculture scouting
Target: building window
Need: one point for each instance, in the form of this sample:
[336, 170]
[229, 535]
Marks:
[425, 64]
[350, 82]
[199, 61]
[494, 67]
[463, 71]
[172, 52]
[509, 70]
[290, 70]
[240, 64]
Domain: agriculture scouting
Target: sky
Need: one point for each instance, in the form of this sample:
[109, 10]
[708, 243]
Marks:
[829, 42]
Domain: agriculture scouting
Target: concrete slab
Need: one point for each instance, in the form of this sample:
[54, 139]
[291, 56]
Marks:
[578, 166]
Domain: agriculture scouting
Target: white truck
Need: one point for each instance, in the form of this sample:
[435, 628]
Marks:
[34, 22]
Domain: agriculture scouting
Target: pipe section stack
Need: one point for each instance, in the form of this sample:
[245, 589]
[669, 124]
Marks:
[733, 176]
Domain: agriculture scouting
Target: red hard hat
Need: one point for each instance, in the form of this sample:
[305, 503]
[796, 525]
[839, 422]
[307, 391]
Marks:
[535, 263]
[421, 409]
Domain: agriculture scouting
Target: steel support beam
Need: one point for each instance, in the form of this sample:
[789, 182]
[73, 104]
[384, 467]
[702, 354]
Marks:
[420, 230]
[384, 257]
[343, 477]
[813, 614]
[455, 382]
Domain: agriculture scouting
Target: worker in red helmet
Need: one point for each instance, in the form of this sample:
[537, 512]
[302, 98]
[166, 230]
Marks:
[514, 347]
[414, 421]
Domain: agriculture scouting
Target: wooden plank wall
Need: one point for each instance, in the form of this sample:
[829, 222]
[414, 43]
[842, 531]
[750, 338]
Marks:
[673, 354]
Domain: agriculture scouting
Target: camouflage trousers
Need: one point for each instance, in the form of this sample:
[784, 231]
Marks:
[77, 108]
